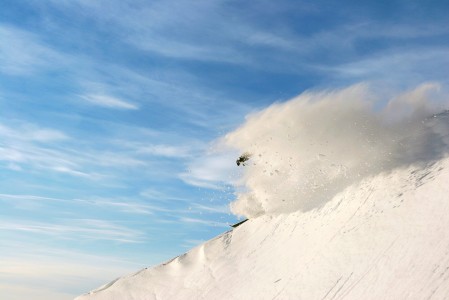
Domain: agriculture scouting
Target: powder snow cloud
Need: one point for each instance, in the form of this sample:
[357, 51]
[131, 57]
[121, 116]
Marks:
[311, 147]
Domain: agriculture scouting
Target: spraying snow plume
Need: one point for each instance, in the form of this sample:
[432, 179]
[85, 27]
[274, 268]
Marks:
[306, 150]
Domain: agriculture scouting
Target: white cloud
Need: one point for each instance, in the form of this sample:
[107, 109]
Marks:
[42, 158]
[112, 159]
[397, 67]
[11, 155]
[30, 198]
[213, 169]
[203, 222]
[76, 229]
[28, 144]
[154, 28]
[222, 209]
[157, 194]
[127, 206]
[164, 150]
[31, 132]
[13, 167]
[109, 102]
[67, 170]
[26, 147]
[23, 53]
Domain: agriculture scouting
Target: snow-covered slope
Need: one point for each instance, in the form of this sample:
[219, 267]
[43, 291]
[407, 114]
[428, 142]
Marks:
[386, 237]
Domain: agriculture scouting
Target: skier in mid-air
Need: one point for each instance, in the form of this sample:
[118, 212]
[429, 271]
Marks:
[243, 158]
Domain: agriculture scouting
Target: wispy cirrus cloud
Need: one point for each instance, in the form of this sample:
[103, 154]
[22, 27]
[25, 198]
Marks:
[203, 222]
[31, 132]
[214, 169]
[76, 229]
[119, 87]
[29, 147]
[108, 102]
[73, 172]
[30, 144]
[34, 147]
[165, 150]
[248, 42]
[123, 205]
[35, 198]
[221, 208]
[179, 148]
[22, 53]
[401, 67]
[45, 159]
[157, 194]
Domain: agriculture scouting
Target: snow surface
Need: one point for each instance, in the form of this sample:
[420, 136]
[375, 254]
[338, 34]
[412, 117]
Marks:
[385, 237]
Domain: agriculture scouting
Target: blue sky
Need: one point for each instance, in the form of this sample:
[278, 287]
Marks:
[110, 109]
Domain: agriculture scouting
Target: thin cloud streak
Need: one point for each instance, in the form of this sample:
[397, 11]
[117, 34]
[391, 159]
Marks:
[221, 209]
[214, 169]
[109, 102]
[31, 132]
[405, 66]
[124, 206]
[239, 38]
[53, 150]
[169, 92]
[24, 54]
[79, 229]
[203, 222]
[156, 194]
[30, 198]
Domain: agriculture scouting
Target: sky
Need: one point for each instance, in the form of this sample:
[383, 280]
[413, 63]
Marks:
[110, 112]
